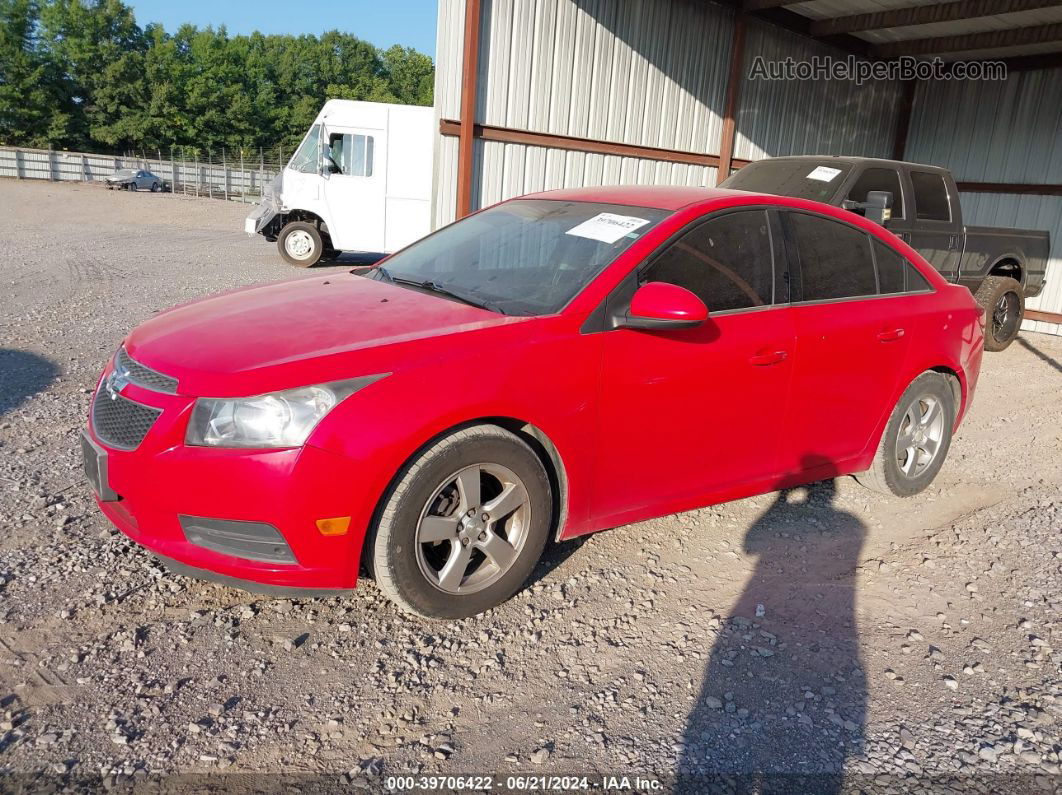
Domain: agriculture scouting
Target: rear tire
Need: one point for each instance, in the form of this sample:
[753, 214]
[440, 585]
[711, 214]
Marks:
[916, 440]
[300, 244]
[464, 525]
[1004, 303]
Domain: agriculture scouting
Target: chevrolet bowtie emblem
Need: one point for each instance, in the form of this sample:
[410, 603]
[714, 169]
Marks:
[115, 383]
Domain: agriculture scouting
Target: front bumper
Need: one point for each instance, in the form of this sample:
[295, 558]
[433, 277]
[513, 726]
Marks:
[148, 489]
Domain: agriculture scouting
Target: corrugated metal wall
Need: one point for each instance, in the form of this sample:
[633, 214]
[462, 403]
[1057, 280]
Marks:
[626, 71]
[796, 117]
[1006, 131]
[655, 74]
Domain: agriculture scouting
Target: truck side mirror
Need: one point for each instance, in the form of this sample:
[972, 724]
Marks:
[878, 206]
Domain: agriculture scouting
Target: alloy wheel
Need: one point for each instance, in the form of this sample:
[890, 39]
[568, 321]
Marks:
[1005, 316]
[473, 528]
[920, 436]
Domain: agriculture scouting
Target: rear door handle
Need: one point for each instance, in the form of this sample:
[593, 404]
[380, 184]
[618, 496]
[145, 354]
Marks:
[763, 359]
[891, 335]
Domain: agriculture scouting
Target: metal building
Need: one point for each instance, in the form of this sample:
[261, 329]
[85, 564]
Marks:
[540, 94]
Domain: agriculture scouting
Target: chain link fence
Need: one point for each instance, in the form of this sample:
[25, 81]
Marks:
[236, 175]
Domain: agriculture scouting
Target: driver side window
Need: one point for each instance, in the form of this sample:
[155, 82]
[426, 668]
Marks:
[351, 153]
[727, 262]
[879, 179]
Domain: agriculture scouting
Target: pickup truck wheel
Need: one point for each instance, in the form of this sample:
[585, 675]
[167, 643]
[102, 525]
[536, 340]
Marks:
[916, 439]
[300, 244]
[1004, 303]
[463, 526]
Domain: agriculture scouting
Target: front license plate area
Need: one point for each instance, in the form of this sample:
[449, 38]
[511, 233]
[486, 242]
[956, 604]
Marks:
[95, 462]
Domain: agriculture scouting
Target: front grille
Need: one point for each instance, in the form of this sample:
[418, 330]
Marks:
[120, 422]
[145, 376]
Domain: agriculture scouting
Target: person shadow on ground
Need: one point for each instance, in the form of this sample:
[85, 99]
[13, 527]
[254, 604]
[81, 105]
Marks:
[783, 701]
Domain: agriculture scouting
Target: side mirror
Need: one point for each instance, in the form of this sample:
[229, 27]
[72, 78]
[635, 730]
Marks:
[658, 305]
[877, 207]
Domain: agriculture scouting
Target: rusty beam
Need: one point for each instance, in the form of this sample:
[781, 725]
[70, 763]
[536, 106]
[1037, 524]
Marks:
[514, 136]
[762, 5]
[469, 69]
[1045, 317]
[1025, 63]
[989, 40]
[923, 15]
[903, 119]
[1025, 188]
[733, 95]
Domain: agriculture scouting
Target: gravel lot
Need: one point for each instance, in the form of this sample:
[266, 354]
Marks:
[822, 631]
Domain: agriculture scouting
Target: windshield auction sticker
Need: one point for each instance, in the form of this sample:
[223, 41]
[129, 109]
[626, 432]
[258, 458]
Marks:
[824, 173]
[607, 227]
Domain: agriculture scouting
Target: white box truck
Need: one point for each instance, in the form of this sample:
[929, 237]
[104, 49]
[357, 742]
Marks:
[360, 181]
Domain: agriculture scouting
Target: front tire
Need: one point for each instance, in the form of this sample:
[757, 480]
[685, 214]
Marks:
[300, 244]
[132, 186]
[463, 526]
[916, 439]
[155, 187]
[1004, 303]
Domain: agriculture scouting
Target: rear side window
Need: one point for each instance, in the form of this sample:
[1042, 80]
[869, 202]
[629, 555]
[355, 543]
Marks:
[890, 267]
[835, 259]
[726, 261]
[930, 196]
[879, 179]
[915, 280]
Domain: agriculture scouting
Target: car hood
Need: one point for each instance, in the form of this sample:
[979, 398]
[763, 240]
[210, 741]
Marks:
[293, 333]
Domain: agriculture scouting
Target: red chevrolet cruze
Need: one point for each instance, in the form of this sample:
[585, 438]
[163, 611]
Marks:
[554, 365]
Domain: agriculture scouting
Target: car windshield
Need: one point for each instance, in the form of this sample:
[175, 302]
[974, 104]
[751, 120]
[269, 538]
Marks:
[124, 172]
[801, 179]
[524, 257]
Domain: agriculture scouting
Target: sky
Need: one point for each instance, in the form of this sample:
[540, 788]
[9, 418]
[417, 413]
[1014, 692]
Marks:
[410, 23]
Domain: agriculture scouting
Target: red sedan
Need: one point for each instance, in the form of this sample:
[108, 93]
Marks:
[554, 365]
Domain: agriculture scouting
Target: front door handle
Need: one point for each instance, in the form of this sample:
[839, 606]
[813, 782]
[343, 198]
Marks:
[891, 335]
[763, 359]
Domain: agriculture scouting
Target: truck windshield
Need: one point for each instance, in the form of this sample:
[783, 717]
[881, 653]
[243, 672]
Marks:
[801, 179]
[525, 257]
[308, 154]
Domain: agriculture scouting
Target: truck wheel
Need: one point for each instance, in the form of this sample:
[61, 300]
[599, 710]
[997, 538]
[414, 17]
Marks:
[464, 526]
[916, 439]
[1004, 303]
[300, 244]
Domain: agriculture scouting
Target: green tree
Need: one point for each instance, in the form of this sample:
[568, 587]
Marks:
[34, 107]
[83, 74]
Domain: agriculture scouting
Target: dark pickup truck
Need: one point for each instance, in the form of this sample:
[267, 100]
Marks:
[920, 205]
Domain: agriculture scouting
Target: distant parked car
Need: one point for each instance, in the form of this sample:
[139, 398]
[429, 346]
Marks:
[548, 367]
[130, 179]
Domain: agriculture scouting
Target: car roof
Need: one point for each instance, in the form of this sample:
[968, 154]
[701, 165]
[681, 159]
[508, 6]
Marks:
[661, 197]
[850, 160]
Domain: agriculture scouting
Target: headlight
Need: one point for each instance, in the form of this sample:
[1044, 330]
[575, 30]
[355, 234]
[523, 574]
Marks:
[276, 419]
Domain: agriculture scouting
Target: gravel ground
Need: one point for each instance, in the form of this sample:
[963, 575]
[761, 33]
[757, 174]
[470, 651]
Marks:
[824, 631]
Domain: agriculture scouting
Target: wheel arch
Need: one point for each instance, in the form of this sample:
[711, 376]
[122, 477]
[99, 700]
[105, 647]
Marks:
[1008, 265]
[536, 439]
[276, 224]
[958, 388]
